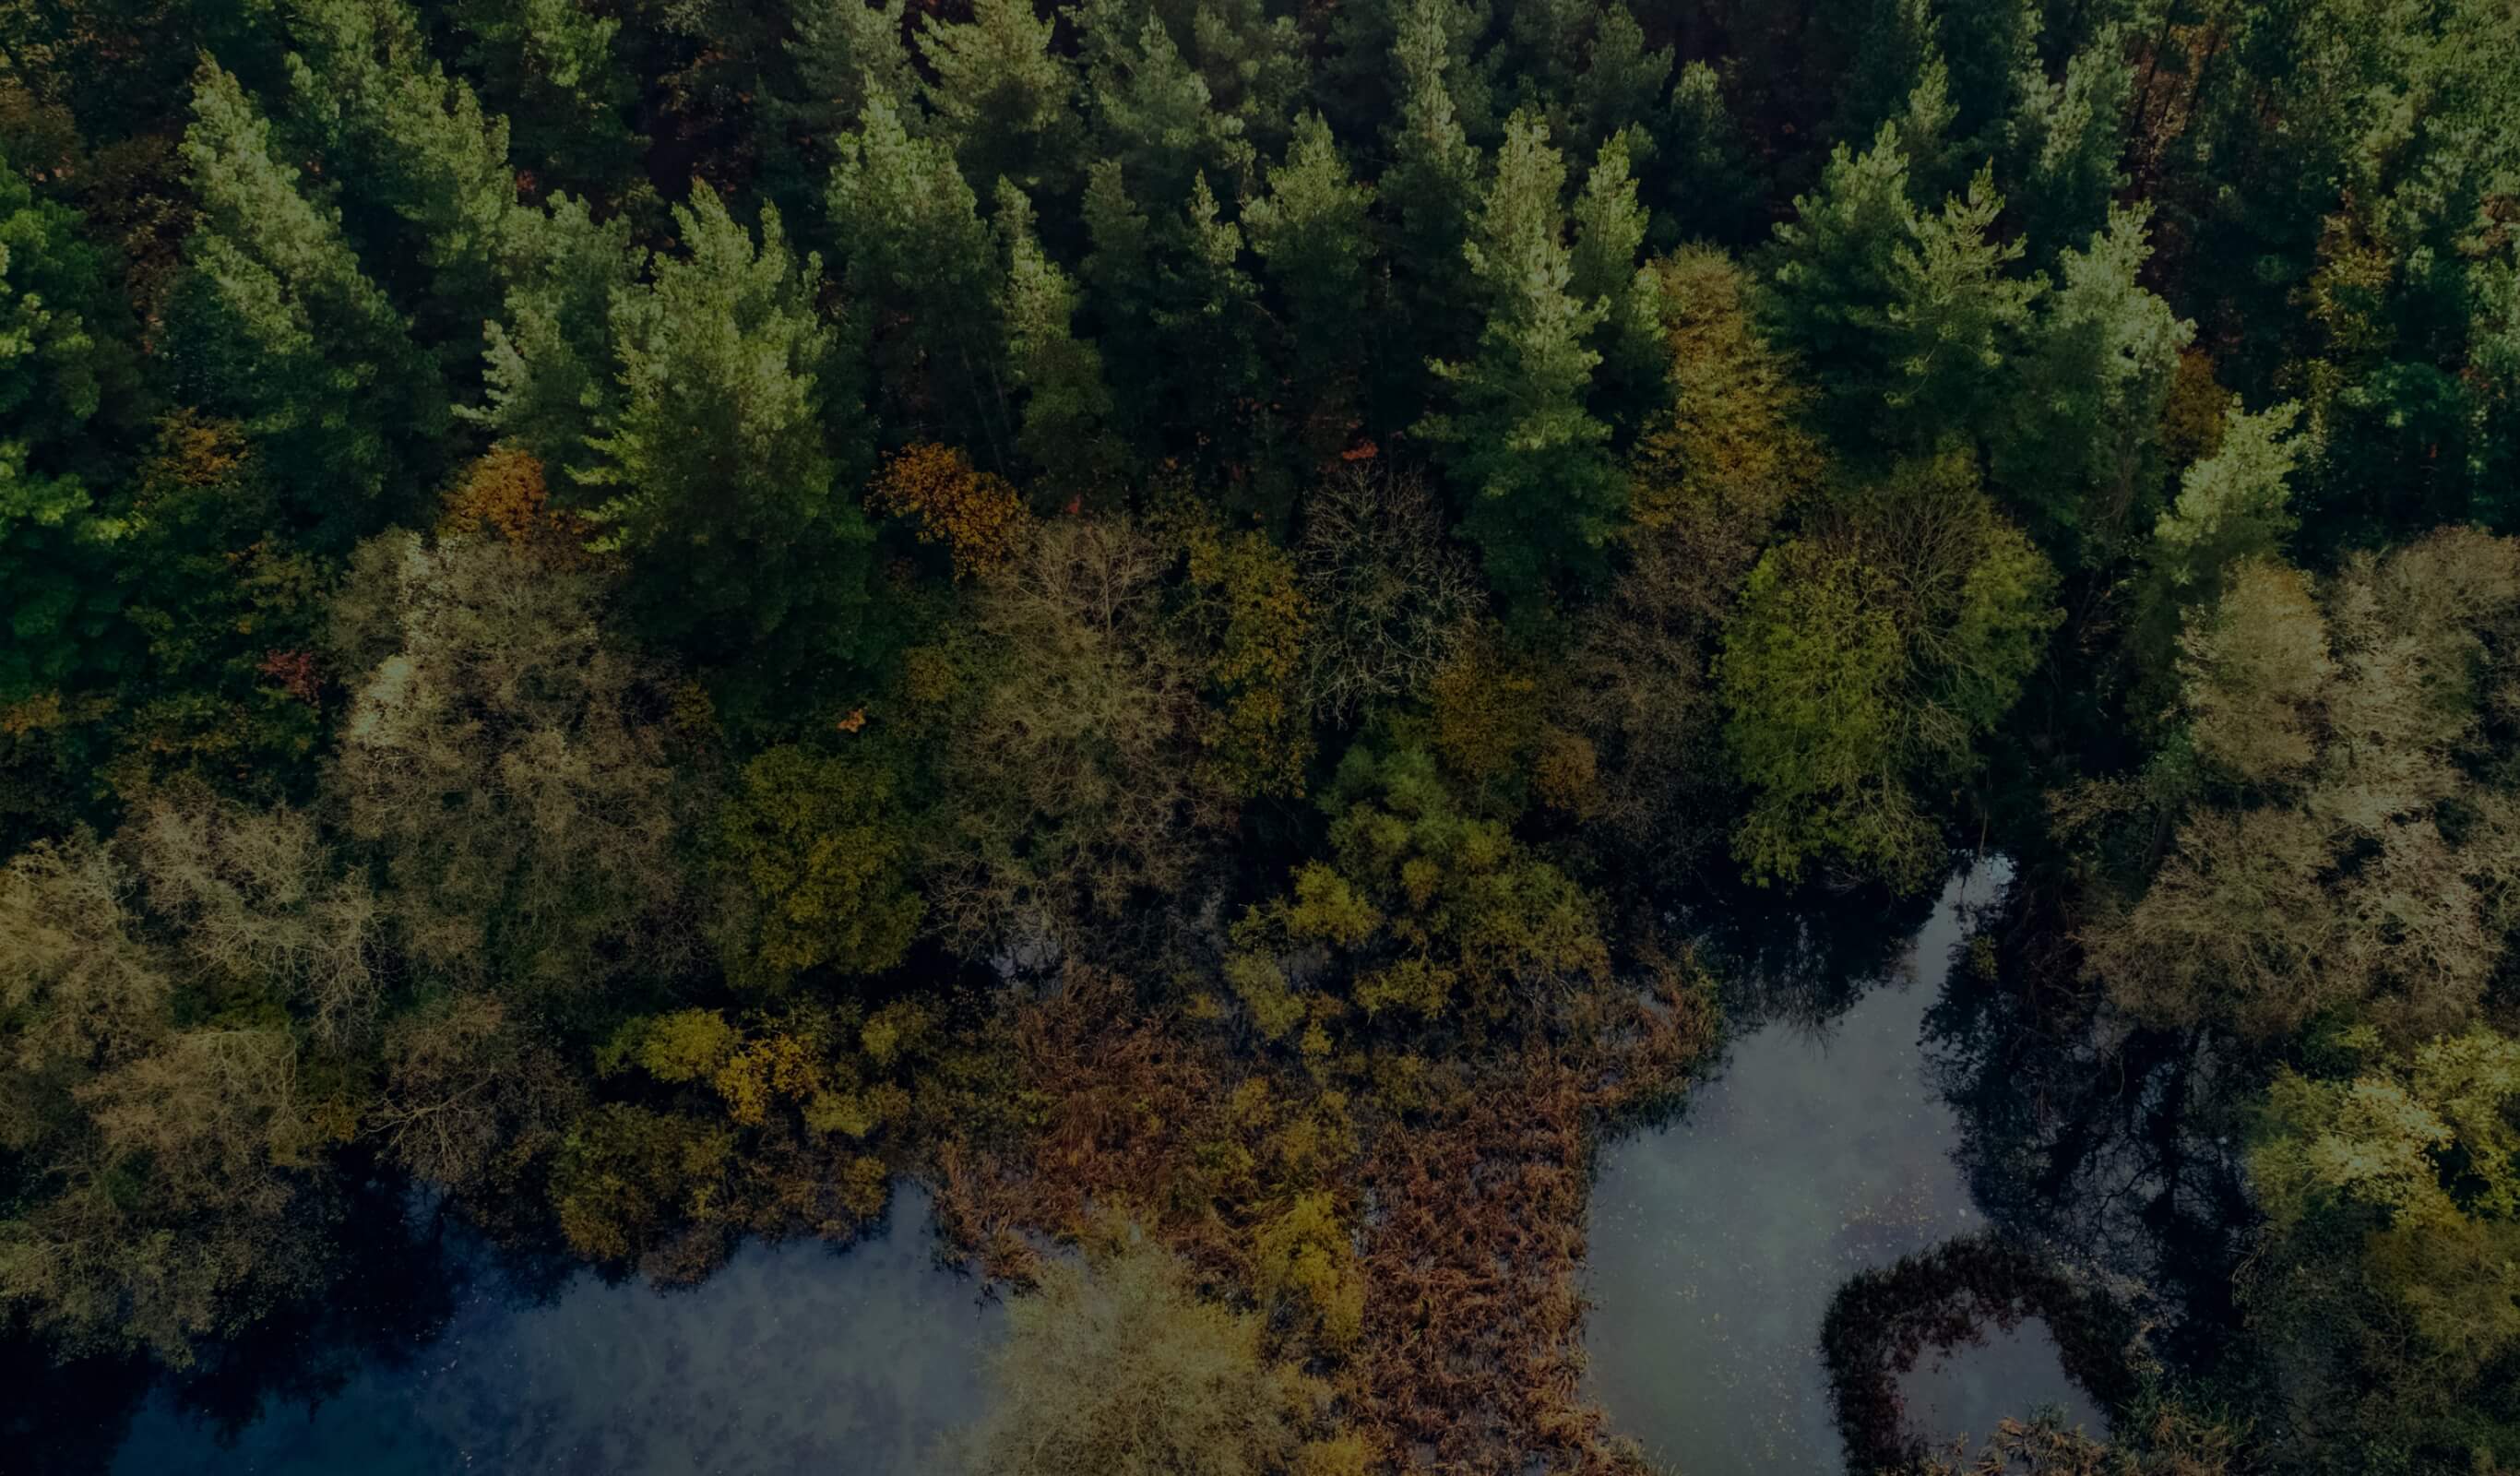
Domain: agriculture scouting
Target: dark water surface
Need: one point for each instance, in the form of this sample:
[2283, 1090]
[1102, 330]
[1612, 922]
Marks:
[792, 1359]
[1717, 1239]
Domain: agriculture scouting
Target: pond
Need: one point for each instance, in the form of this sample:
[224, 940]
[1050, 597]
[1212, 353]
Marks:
[1717, 1239]
[796, 1357]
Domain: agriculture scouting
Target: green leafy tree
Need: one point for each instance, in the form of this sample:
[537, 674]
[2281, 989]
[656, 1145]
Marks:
[175, 1191]
[2340, 859]
[1528, 460]
[277, 326]
[727, 473]
[1868, 656]
[1431, 914]
[817, 849]
[512, 769]
[1120, 1370]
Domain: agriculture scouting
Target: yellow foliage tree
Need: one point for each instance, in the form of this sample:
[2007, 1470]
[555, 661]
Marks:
[505, 494]
[977, 515]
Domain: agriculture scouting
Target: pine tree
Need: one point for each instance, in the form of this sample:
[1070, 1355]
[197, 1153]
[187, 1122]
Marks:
[1609, 235]
[1152, 112]
[552, 68]
[844, 53]
[2081, 441]
[60, 359]
[1431, 189]
[1909, 321]
[912, 245]
[1540, 490]
[1701, 185]
[1066, 431]
[1005, 97]
[277, 326]
[422, 176]
[728, 470]
[1313, 230]
[1622, 86]
[1252, 63]
[1832, 274]
[548, 368]
[2065, 145]
[1956, 321]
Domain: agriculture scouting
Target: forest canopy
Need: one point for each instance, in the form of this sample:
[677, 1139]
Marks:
[645, 617]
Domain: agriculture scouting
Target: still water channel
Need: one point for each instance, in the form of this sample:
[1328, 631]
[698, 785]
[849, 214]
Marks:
[793, 1358]
[1817, 1149]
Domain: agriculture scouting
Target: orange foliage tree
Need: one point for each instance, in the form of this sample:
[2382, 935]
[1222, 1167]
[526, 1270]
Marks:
[977, 514]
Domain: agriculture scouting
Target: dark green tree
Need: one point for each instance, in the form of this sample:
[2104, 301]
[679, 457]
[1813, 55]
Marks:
[911, 247]
[276, 324]
[62, 357]
[1312, 230]
[1531, 467]
[727, 475]
[1005, 97]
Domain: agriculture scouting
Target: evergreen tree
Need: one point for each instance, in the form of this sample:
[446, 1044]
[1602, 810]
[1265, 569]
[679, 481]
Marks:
[1622, 86]
[846, 52]
[1909, 321]
[547, 372]
[1152, 112]
[1252, 63]
[422, 176]
[277, 326]
[1003, 96]
[727, 475]
[1609, 233]
[1956, 321]
[1430, 188]
[1540, 490]
[2080, 443]
[1701, 185]
[2233, 504]
[911, 244]
[554, 70]
[59, 360]
[2062, 164]
[1067, 407]
[1312, 230]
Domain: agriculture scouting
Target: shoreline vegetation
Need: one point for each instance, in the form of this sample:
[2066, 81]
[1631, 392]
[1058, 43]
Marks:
[1221, 628]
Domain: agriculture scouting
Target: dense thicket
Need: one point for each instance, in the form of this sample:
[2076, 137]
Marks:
[623, 609]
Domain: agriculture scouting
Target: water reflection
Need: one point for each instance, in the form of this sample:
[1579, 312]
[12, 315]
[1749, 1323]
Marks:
[792, 1357]
[1820, 1149]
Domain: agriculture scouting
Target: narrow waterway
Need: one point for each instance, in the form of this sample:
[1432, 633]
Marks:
[1718, 1238]
[792, 1357]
